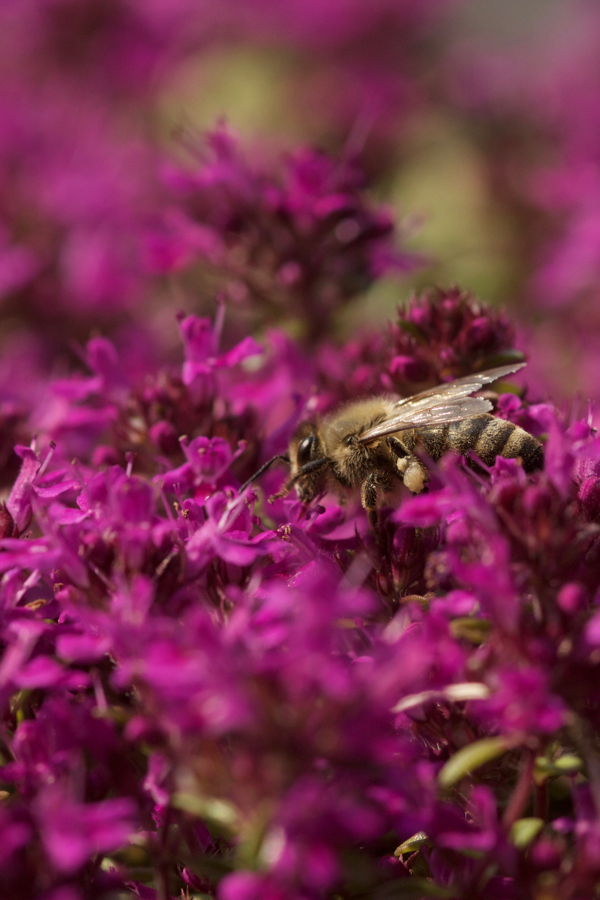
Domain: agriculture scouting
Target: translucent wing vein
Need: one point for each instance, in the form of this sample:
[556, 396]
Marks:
[449, 402]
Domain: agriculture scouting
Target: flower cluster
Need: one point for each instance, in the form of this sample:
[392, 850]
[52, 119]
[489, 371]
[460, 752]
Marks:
[298, 246]
[97, 222]
[204, 694]
[436, 335]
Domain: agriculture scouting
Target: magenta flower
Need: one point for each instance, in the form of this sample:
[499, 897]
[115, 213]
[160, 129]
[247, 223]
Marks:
[303, 242]
[204, 693]
[72, 832]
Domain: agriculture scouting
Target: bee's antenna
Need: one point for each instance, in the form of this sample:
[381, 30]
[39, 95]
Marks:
[262, 469]
[307, 469]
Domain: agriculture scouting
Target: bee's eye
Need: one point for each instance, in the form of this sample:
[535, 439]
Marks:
[304, 450]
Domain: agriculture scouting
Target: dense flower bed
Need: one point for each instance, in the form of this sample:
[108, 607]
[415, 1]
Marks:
[206, 694]
[203, 690]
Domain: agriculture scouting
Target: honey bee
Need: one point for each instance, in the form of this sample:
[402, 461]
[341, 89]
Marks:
[373, 444]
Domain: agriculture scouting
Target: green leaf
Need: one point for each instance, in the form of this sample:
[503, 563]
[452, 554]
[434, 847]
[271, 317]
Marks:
[454, 693]
[413, 843]
[471, 629]
[215, 811]
[470, 758]
[568, 764]
[524, 831]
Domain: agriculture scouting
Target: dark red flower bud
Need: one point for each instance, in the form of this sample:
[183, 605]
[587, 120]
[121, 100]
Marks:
[7, 525]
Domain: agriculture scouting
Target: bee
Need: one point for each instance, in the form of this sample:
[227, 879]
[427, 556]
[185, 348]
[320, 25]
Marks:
[375, 444]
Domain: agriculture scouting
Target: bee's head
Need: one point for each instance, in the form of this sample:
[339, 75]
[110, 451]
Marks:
[308, 462]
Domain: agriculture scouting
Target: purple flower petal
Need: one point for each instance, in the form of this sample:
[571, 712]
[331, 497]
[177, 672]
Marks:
[73, 833]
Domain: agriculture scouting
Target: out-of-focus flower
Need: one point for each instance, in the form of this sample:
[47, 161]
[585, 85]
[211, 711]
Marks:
[202, 692]
[300, 243]
[536, 109]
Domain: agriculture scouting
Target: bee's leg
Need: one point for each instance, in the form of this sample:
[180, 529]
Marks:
[399, 449]
[410, 468]
[371, 490]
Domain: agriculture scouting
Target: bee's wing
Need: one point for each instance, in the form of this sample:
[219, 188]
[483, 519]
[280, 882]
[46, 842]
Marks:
[461, 387]
[449, 402]
[438, 411]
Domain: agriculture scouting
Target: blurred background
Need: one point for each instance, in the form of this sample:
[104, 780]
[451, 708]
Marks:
[312, 162]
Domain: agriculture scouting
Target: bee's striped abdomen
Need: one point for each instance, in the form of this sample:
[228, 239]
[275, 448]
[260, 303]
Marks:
[485, 435]
[489, 437]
